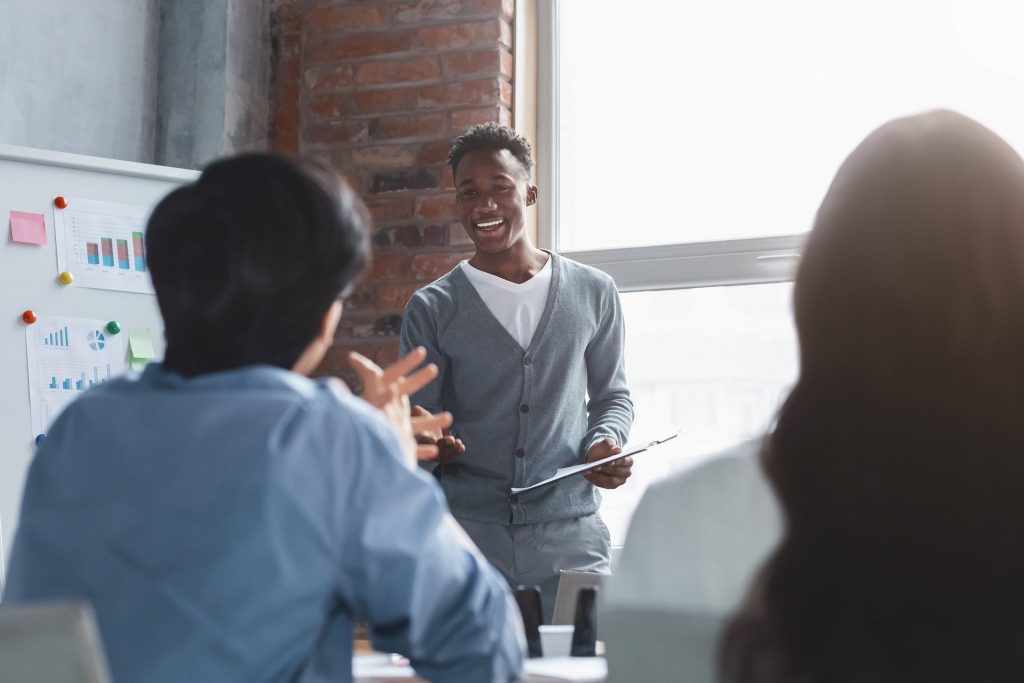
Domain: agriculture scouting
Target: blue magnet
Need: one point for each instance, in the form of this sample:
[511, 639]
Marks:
[40, 439]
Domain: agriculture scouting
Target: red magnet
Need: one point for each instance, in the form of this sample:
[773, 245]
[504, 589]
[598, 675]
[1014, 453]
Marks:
[29, 317]
[60, 202]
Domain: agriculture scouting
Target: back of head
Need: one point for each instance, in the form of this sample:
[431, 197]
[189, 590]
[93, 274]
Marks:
[248, 259]
[898, 458]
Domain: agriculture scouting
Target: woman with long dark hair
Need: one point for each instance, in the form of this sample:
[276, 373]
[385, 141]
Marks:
[898, 458]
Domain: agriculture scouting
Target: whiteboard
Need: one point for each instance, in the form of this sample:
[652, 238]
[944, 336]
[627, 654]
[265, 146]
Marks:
[30, 179]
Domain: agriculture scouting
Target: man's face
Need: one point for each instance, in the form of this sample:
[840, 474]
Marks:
[492, 193]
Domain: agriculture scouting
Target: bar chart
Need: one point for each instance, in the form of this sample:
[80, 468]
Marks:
[66, 358]
[103, 244]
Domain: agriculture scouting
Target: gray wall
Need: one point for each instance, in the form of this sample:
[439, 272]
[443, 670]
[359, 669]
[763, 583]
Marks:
[213, 76]
[173, 82]
[79, 76]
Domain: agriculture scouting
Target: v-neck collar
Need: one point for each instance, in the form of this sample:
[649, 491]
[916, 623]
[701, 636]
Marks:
[473, 299]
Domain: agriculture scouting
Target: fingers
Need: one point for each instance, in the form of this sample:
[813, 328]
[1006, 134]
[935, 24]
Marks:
[418, 379]
[363, 366]
[405, 365]
[430, 423]
[426, 452]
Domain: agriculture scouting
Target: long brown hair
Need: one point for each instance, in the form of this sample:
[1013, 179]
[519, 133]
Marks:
[898, 457]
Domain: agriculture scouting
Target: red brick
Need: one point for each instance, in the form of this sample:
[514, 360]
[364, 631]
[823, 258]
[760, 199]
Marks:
[389, 266]
[325, 19]
[457, 235]
[393, 296]
[285, 18]
[383, 101]
[435, 153]
[412, 236]
[285, 142]
[453, 36]
[288, 95]
[390, 210]
[321, 78]
[436, 207]
[287, 46]
[287, 118]
[505, 8]
[478, 63]
[287, 71]
[403, 179]
[440, 10]
[361, 298]
[429, 267]
[506, 93]
[329, 106]
[487, 91]
[447, 179]
[467, 118]
[399, 71]
[337, 132]
[379, 43]
[506, 34]
[380, 157]
[395, 127]
[505, 116]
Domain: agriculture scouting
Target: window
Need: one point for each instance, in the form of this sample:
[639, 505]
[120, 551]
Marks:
[684, 147]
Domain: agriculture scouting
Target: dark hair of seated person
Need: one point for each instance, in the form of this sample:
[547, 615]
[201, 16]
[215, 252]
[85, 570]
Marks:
[247, 260]
[898, 457]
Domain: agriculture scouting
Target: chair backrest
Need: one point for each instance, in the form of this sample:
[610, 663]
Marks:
[660, 646]
[51, 643]
[569, 585]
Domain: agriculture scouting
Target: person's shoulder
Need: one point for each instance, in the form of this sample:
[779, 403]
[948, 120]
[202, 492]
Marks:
[582, 274]
[440, 292]
[733, 471]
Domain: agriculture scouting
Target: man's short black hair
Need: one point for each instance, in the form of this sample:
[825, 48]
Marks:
[489, 137]
[246, 260]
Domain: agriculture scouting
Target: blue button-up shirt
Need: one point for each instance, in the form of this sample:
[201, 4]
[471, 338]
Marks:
[230, 527]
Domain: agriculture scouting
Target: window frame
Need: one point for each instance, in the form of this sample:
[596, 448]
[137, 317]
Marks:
[685, 265]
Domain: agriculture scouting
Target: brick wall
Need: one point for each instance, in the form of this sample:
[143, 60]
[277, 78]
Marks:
[380, 89]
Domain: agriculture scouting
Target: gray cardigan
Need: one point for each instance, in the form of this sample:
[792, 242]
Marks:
[522, 415]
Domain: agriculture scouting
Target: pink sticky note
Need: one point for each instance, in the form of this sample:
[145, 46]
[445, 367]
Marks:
[28, 228]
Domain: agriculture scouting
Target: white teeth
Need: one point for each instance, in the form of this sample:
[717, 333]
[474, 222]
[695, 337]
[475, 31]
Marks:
[490, 224]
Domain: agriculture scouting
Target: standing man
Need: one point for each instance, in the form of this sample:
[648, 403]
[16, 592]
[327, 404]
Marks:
[529, 346]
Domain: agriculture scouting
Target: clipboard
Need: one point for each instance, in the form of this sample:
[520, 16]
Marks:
[564, 472]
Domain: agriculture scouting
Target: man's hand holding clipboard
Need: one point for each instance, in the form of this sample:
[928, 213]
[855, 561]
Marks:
[564, 472]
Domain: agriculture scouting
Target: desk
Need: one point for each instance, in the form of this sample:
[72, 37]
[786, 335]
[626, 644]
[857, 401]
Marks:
[378, 668]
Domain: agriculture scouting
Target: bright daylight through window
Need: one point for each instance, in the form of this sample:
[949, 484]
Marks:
[723, 121]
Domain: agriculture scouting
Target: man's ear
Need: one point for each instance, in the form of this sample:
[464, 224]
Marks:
[531, 195]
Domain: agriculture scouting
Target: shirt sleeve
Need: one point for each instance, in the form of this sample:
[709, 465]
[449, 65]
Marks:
[610, 409]
[410, 571]
[419, 328]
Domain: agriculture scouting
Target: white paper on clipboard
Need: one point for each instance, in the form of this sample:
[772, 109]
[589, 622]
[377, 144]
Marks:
[563, 472]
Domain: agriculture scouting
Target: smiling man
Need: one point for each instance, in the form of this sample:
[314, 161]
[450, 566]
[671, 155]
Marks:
[529, 345]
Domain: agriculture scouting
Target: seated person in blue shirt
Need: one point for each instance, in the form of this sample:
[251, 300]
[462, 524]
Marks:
[229, 518]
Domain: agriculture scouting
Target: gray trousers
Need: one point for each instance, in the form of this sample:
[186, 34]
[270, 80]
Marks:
[534, 554]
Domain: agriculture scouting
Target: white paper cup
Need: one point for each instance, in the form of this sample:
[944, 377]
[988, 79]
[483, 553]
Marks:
[556, 639]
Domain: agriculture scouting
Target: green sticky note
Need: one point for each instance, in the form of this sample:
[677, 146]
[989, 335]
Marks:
[138, 365]
[140, 346]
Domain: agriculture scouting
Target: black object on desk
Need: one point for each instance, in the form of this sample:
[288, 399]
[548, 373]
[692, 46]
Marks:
[528, 599]
[584, 636]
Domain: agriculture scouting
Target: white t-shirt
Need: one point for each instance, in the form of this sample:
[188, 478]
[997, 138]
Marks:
[517, 307]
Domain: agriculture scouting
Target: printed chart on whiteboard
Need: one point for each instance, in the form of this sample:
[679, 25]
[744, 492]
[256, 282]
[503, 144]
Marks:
[102, 244]
[67, 356]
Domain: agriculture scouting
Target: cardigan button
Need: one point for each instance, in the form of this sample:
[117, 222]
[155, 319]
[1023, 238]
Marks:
[524, 408]
[520, 452]
[527, 360]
